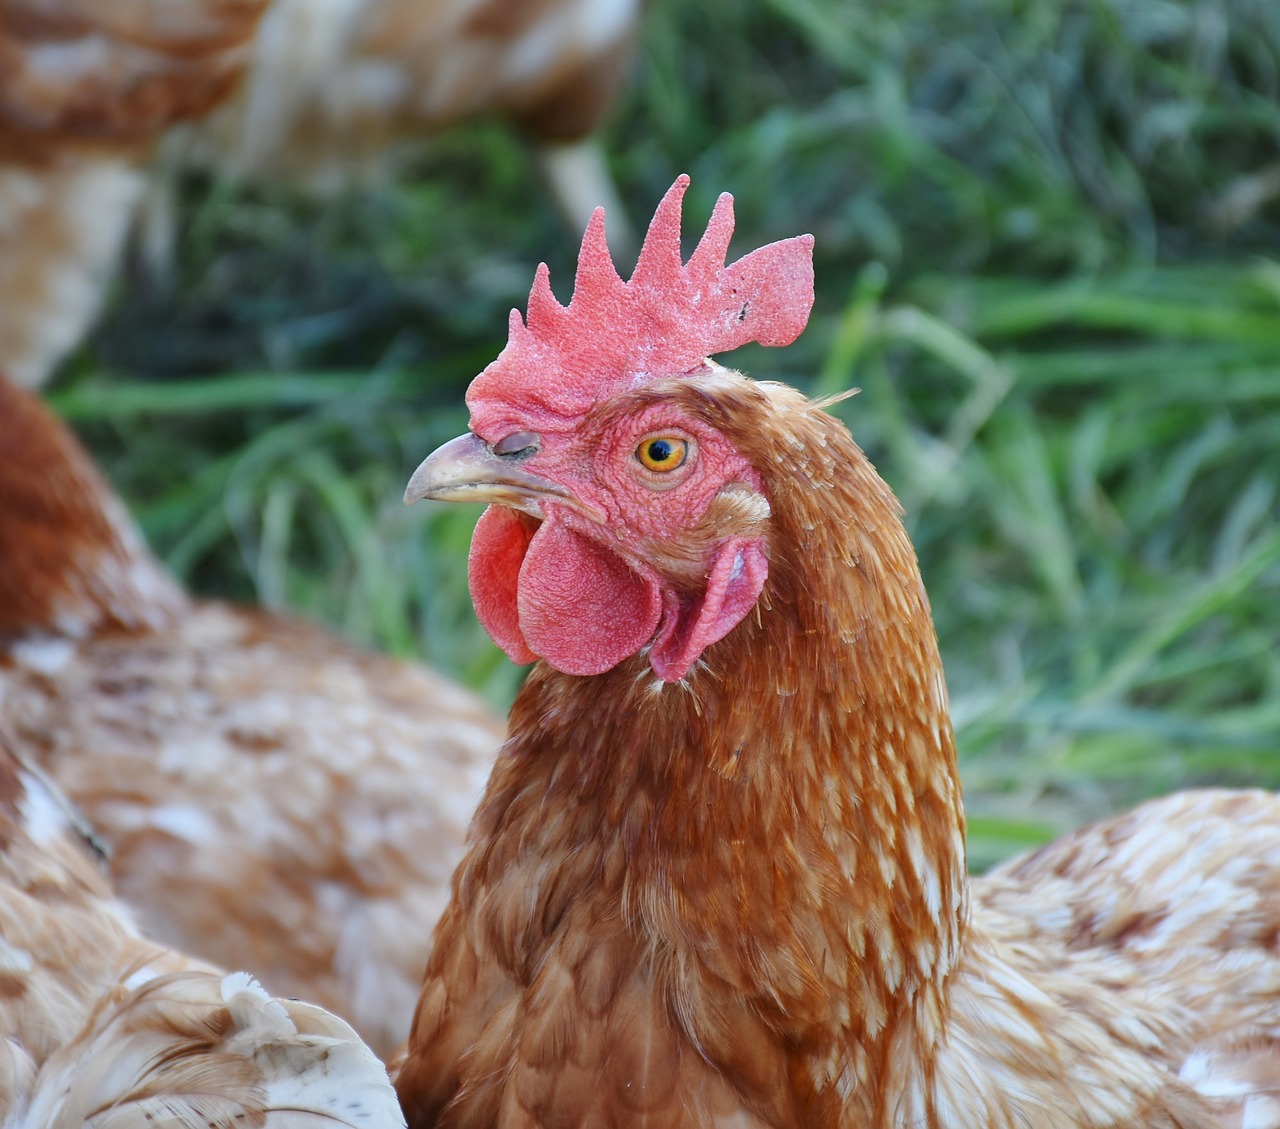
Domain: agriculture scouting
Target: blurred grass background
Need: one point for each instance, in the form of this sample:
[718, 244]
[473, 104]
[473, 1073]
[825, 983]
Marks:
[1048, 252]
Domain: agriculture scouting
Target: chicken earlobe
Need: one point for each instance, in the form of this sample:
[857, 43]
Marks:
[738, 572]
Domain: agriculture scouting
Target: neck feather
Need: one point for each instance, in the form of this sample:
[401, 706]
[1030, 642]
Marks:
[71, 559]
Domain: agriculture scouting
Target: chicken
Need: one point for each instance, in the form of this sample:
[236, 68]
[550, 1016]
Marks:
[339, 89]
[333, 86]
[99, 1026]
[337, 84]
[718, 874]
[273, 799]
[85, 89]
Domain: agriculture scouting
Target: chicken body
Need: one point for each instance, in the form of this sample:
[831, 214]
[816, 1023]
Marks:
[334, 89]
[724, 884]
[99, 1026]
[273, 798]
[85, 89]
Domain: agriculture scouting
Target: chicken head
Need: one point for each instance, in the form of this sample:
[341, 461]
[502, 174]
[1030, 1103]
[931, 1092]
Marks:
[621, 518]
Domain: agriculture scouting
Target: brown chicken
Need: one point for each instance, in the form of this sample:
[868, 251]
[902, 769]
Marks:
[85, 89]
[273, 798]
[334, 89]
[718, 875]
[99, 1027]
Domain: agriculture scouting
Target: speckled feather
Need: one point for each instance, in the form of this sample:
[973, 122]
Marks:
[741, 899]
[63, 222]
[274, 798]
[341, 92]
[118, 74]
[102, 1029]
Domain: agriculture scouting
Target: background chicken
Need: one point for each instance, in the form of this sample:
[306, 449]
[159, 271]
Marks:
[98, 1025]
[337, 91]
[719, 874]
[272, 798]
[84, 92]
[331, 90]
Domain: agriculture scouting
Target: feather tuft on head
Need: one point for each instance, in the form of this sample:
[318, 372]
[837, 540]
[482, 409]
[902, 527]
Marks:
[671, 315]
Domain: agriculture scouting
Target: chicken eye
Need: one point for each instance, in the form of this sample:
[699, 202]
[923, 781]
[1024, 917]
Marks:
[662, 453]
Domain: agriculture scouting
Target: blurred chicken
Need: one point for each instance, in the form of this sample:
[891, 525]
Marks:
[273, 798]
[85, 89]
[339, 90]
[334, 89]
[718, 876]
[99, 1027]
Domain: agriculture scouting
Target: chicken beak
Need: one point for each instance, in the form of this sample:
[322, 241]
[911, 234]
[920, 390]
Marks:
[466, 470]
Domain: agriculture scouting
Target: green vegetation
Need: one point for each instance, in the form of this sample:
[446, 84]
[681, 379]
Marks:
[1048, 252]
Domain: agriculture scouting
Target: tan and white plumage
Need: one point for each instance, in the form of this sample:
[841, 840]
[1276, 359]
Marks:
[340, 91]
[336, 86]
[274, 799]
[725, 885]
[100, 1027]
[334, 90]
[1176, 907]
[85, 90]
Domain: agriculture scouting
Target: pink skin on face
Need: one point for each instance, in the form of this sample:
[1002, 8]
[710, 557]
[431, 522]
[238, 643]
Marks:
[585, 592]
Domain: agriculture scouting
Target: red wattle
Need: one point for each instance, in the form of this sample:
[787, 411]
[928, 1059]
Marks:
[498, 549]
[581, 606]
[546, 591]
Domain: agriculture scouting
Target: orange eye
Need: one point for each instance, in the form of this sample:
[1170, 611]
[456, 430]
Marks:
[662, 453]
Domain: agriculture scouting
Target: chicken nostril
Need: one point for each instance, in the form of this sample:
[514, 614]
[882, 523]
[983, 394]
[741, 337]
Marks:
[518, 445]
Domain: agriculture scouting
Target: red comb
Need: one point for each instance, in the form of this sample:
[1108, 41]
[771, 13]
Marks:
[663, 322]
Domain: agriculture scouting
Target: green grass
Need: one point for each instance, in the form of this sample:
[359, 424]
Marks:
[1048, 252]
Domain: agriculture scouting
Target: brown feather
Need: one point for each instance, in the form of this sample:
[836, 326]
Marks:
[332, 95]
[71, 560]
[321, 93]
[75, 71]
